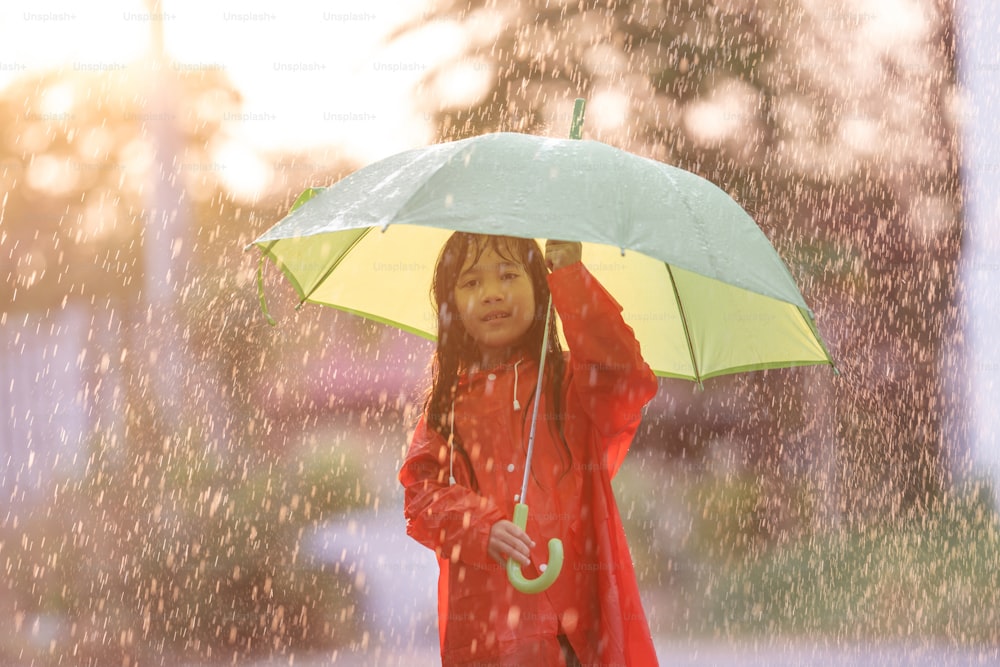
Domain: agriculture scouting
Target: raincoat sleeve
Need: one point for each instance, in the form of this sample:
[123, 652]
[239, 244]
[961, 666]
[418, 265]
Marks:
[608, 374]
[451, 519]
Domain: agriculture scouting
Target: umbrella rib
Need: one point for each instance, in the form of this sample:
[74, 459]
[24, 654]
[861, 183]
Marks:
[684, 325]
[811, 323]
[333, 267]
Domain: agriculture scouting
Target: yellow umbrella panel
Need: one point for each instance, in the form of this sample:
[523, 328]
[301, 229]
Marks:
[689, 326]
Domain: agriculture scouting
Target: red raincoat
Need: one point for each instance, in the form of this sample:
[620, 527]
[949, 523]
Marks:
[595, 601]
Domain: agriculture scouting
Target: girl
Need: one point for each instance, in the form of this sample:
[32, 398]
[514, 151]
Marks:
[463, 472]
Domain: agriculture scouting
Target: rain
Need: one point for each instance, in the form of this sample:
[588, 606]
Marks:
[182, 483]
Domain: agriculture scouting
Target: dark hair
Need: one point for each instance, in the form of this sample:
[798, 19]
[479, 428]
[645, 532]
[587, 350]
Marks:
[457, 351]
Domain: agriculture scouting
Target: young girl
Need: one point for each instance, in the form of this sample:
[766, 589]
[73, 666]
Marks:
[465, 464]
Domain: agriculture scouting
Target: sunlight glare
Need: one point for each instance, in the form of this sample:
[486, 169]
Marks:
[309, 75]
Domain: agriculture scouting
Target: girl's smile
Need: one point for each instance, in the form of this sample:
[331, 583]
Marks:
[496, 303]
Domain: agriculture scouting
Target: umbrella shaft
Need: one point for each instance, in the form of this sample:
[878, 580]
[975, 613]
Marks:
[538, 396]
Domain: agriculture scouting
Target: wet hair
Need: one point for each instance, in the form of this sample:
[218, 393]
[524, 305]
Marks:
[457, 351]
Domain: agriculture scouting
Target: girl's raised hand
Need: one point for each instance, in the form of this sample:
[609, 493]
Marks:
[509, 541]
[562, 253]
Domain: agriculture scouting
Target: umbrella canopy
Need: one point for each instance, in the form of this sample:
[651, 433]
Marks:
[702, 287]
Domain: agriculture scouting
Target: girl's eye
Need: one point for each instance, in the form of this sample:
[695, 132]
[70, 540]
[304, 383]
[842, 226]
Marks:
[510, 275]
[469, 284]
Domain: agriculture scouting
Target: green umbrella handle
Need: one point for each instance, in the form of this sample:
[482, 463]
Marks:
[552, 570]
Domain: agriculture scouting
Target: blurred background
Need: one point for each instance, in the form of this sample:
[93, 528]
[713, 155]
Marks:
[181, 483]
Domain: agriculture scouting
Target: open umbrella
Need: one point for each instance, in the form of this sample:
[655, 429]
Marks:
[700, 284]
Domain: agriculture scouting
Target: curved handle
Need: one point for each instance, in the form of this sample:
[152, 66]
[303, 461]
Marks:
[552, 570]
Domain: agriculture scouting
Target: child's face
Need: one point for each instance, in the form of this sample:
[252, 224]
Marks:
[496, 302]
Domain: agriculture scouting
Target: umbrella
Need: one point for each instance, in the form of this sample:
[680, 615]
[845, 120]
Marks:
[703, 288]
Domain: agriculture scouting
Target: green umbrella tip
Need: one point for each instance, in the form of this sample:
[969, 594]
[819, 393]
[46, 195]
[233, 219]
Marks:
[576, 127]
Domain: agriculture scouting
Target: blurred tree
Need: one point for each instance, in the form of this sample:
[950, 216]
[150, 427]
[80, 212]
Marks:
[178, 529]
[834, 126]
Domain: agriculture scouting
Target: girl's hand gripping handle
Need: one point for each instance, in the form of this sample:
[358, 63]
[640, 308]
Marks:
[552, 570]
